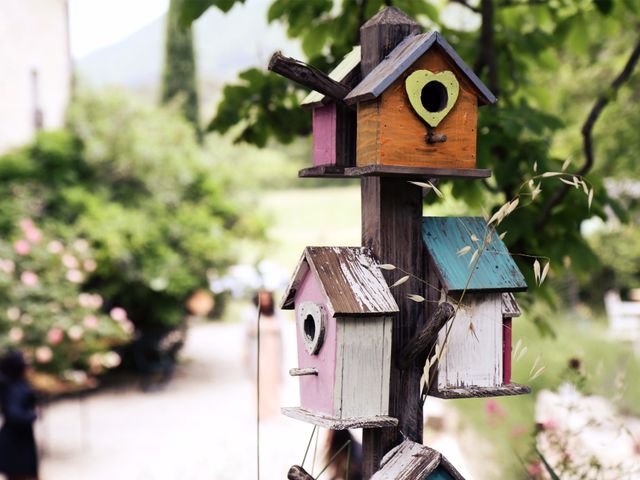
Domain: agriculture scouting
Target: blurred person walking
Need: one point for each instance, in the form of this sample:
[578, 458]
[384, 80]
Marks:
[18, 453]
[271, 353]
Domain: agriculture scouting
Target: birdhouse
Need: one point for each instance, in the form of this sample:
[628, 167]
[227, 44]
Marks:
[477, 341]
[419, 108]
[412, 461]
[333, 123]
[343, 310]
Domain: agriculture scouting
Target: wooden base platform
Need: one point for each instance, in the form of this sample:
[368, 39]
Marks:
[414, 173]
[334, 423]
[475, 392]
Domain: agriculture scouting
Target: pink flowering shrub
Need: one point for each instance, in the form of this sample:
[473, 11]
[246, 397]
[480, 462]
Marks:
[45, 311]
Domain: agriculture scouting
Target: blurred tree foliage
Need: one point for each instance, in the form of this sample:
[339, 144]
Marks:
[179, 75]
[554, 66]
[132, 180]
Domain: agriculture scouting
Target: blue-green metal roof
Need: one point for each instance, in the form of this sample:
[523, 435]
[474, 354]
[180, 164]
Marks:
[494, 270]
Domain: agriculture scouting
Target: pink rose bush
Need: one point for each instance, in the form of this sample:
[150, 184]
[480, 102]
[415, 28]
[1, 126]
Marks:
[45, 310]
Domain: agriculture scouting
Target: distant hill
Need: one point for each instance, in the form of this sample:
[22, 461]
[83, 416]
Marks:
[226, 44]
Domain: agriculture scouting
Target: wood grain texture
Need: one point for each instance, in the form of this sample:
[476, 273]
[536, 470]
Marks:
[324, 120]
[346, 136]
[474, 354]
[495, 270]
[408, 173]
[479, 392]
[403, 57]
[346, 72]
[417, 349]
[382, 33]
[413, 461]
[335, 423]
[391, 133]
[362, 368]
[307, 76]
[391, 218]
[510, 307]
[349, 278]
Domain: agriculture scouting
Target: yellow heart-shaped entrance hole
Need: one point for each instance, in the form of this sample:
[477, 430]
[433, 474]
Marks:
[432, 95]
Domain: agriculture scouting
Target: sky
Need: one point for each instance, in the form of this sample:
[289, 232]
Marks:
[97, 23]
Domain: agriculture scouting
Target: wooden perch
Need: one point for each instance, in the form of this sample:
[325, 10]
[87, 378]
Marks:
[298, 473]
[421, 343]
[307, 76]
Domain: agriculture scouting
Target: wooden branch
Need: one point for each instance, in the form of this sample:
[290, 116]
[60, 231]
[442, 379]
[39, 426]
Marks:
[466, 4]
[422, 342]
[307, 76]
[298, 473]
[587, 130]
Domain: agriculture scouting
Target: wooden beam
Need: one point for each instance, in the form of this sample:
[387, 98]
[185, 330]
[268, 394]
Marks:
[419, 346]
[307, 76]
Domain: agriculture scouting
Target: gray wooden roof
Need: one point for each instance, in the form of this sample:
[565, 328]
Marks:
[349, 278]
[347, 72]
[401, 58]
[412, 461]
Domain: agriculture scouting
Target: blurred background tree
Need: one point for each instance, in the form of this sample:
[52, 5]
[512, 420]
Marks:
[132, 180]
[556, 66]
[179, 75]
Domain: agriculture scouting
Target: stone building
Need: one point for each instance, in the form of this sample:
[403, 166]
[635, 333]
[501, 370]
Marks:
[35, 68]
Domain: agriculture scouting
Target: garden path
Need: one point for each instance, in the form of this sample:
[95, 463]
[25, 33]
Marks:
[201, 426]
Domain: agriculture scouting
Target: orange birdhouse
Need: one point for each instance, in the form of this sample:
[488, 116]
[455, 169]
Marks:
[419, 108]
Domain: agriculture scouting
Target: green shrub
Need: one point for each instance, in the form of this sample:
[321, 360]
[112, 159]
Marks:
[132, 180]
[44, 311]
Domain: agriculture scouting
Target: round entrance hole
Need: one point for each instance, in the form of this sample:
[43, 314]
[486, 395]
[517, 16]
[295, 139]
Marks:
[434, 96]
[309, 327]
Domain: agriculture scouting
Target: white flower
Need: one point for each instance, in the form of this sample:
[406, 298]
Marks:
[44, 354]
[13, 313]
[111, 360]
[70, 261]
[75, 276]
[16, 335]
[55, 246]
[75, 332]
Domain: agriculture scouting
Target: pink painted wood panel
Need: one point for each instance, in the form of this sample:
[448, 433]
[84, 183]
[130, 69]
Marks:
[316, 392]
[506, 350]
[324, 135]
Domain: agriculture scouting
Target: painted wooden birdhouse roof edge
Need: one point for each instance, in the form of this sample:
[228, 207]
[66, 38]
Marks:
[341, 73]
[412, 461]
[350, 279]
[495, 270]
[405, 55]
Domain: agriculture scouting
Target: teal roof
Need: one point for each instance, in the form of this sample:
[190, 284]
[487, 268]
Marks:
[495, 270]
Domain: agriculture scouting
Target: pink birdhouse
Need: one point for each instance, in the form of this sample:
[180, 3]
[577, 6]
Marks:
[334, 124]
[344, 315]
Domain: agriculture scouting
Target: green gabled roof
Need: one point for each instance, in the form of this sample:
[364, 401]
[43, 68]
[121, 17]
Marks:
[494, 271]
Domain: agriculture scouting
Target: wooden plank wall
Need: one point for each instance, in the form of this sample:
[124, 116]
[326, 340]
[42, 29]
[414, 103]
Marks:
[473, 359]
[362, 366]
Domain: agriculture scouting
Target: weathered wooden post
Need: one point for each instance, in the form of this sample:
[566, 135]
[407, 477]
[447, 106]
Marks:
[361, 345]
[391, 221]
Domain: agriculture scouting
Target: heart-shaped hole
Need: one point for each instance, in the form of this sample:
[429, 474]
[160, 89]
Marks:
[432, 95]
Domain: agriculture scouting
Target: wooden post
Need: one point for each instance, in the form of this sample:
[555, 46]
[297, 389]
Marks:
[391, 227]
